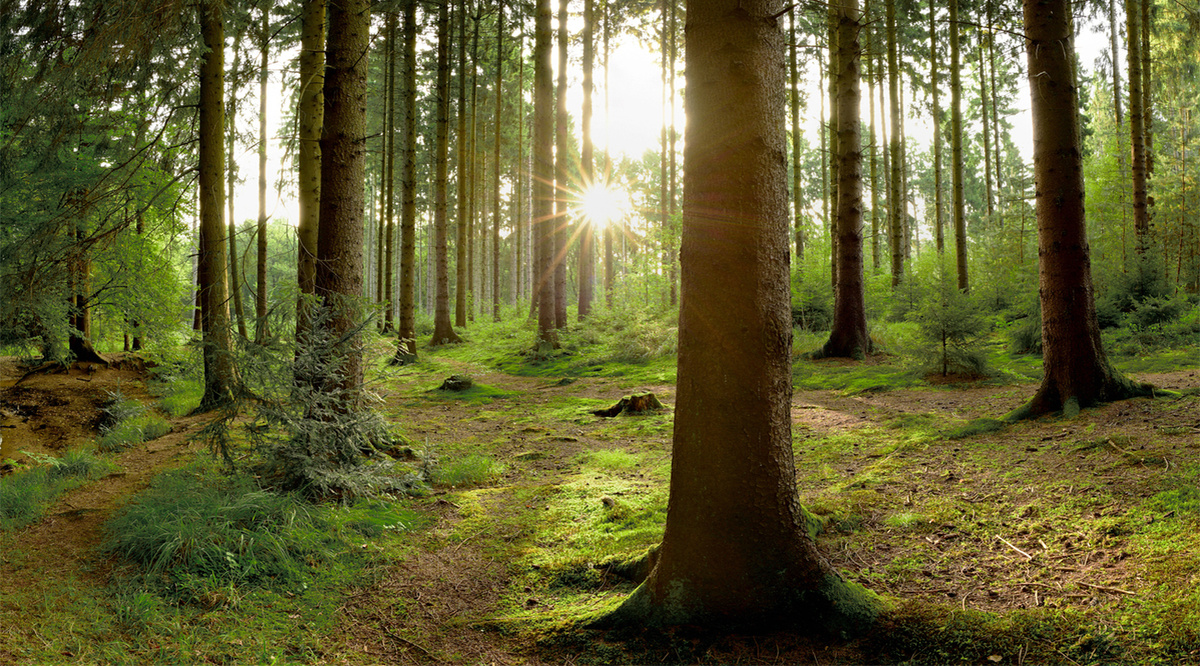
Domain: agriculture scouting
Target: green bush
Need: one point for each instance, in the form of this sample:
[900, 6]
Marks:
[125, 423]
[949, 321]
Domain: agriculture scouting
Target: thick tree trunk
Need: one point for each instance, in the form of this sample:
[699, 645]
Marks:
[443, 331]
[406, 334]
[735, 551]
[310, 114]
[1076, 371]
[339, 275]
[848, 337]
[543, 175]
[1137, 131]
[956, 139]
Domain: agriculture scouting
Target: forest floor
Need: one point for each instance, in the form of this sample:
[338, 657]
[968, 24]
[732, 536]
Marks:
[1076, 538]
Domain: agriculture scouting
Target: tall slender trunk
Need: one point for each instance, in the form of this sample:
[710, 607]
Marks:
[1137, 130]
[543, 174]
[831, 30]
[310, 114]
[521, 251]
[672, 172]
[587, 230]
[443, 331]
[1147, 90]
[608, 228]
[939, 225]
[561, 174]
[235, 287]
[406, 334]
[219, 374]
[496, 115]
[389, 189]
[463, 188]
[261, 331]
[794, 107]
[872, 72]
[956, 138]
[985, 120]
[475, 178]
[895, 201]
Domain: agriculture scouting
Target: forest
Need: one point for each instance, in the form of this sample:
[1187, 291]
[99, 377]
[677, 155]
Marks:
[587, 331]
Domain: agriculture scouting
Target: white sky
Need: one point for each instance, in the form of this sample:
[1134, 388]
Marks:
[633, 127]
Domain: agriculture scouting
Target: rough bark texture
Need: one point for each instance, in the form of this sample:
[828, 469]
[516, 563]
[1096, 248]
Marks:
[463, 191]
[496, 124]
[235, 289]
[543, 175]
[1137, 125]
[260, 274]
[735, 550]
[406, 334]
[794, 107]
[339, 275]
[311, 115]
[389, 178]
[1076, 371]
[895, 205]
[443, 331]
[956, 151]
[939, 223]
[848, 337]
[219, 376]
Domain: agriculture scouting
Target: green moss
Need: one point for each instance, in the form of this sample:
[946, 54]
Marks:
[976, 427]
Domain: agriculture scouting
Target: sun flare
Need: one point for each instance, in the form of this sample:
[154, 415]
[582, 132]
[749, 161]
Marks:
[604, 204]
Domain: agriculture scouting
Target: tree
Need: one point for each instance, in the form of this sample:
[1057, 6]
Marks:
[543, 175]
[220, 378]
[735, 549]
[1137, 130]
[496, 159]
[465, 180]
[260, 300]
[587, 264]
[443, 331]
[561, 173]
[959, 205]
[406, 334]
[1076, 370]
[895, 205]
[389, 175]
[235, 287]
[339, 266]
[849, 337]
[310, 111]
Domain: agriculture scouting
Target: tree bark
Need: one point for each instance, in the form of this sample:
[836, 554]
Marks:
[1076, 371]
[496, 116]
[389, 178]
[561, 174]
[848, 337]
[339, 274]
[406, 334]
[735, 551]
[260, 297]
[235, 288]
[443, 331]
[939, 222]
[543, 175]
[956, 138]
[463, 189]
[794, 107]
[1137, 131]
[895, 204]
[220, 378]
[587, 263]
[310, 114]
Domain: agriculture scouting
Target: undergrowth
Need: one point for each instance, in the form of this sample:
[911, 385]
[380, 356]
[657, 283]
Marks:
[25, 494]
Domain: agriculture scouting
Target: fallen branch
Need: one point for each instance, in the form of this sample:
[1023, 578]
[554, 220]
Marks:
[1107, 589]
[1007, 543]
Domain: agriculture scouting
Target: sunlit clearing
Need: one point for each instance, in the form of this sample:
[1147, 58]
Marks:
[602, 204]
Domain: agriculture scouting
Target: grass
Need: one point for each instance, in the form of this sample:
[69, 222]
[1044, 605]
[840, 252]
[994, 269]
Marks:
[177, 396]
[471, 470]
[25, 494]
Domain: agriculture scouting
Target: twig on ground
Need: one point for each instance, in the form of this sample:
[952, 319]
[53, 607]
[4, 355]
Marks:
[1107, 589]
[404, 640]
[1007, 543]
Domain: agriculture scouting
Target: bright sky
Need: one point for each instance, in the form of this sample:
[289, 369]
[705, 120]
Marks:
[634, 125]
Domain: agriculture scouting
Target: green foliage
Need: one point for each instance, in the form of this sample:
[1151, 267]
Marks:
[949, 321]
[26, 493]
[205, 537]
[812, 302]
[472, 470]
[126, 422]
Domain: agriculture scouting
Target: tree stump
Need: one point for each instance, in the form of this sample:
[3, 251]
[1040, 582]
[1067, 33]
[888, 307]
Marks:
[633, 404]
[456, 383]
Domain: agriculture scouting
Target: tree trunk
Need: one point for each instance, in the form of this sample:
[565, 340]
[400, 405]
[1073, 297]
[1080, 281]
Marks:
[235, 287]
[260, 300]
[561, 174]
[735, 551]
[831, 158]
[848, 337]
[587, 263]
[389, 178]
[339, 276]
[219, 375]
[956, 138]
[543, 175]
[670, 231]
[939, 222]
[463, 189]
[1147, 95]
[895, 204]
[872, 73]
[310, 113]
[609, 274]
[496, 116]
[987, 138]
[443, 331]
[794, 107]
[1076, 371]
[1137, 131]
[406, 334]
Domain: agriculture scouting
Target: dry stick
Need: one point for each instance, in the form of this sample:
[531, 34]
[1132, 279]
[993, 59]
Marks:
[1006, 542]
[1107, 589]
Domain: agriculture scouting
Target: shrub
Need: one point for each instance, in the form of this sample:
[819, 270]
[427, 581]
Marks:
[125, 423]
[949, 322]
